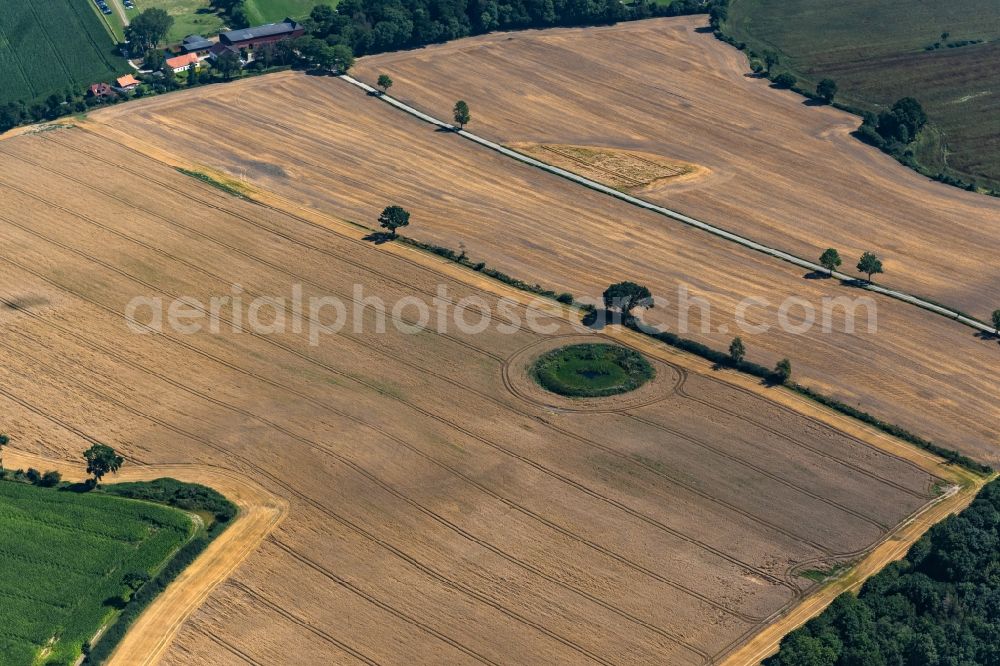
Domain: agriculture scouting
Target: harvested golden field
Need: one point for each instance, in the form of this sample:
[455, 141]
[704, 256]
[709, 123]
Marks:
[783, 172]
[440, 510]
[322, 144]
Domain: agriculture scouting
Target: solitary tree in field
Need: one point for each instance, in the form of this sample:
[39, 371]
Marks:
[3, 442]
[827, 90]
[737, 351]
[102, 459]
[870, 264]
[462, 115]
[394, 217]
[783, 371]
[996, 325]
[830, 260]
[626, 297]
[384, 82]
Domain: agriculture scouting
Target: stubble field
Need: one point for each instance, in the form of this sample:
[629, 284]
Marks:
[441, 510]
[775, 170]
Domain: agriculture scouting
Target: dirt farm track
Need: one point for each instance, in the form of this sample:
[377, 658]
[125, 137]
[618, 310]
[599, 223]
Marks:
[432, 511]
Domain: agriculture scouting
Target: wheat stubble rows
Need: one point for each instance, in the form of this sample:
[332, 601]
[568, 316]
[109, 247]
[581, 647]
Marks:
[322, 144]
[433, 513]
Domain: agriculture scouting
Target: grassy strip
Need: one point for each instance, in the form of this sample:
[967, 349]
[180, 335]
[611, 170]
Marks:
[205, 178]
[721, 359]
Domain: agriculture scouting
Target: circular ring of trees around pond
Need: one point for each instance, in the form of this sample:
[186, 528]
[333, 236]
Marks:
[592, 370]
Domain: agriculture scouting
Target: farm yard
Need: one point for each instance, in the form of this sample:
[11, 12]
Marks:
[62, 562]
[313, 145]
[46, 47]
[438, 507]
[943, 53]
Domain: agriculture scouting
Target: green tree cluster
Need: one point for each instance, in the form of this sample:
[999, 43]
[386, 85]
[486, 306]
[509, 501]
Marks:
[376, 26]
[894, 129]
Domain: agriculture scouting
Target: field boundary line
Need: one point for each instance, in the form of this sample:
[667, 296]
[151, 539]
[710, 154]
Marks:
[666, 212]
[260, 512]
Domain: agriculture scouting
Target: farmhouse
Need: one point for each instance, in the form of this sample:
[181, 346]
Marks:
[270, 33]
[126, 83]
[100, 90]
[182, 62]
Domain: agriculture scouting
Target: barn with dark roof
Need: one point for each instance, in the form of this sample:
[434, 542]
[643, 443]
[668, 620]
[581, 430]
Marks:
[248, 38]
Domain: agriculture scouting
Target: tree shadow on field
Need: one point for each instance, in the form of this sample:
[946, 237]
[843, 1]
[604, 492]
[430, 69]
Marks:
[596, 320]
[987, 336]
[809, 101]
[817, 275]
[378, 237]
[705, 29]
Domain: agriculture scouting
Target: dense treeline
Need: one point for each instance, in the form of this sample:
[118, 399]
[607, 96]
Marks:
[940, 606]
[374, 26]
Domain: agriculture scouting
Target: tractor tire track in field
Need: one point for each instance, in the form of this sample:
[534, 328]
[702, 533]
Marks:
[690, 487]
[99, 50]
[249, 221]
[381, 391]
[303, 624]
[666, 212]
[20, 66]
[51, 43]
[400, 442]
[443, 276]
[354, 589]
[441, 520]
[260, 472]
[819, 452]
[493, 399]
[308, 359]
[226, 645]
